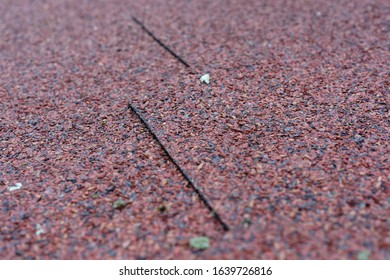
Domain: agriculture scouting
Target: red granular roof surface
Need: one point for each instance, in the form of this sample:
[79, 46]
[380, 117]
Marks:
[288, 143]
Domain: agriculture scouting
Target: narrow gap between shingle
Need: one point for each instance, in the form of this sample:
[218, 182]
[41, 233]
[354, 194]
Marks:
[150, 33]
[188, 179]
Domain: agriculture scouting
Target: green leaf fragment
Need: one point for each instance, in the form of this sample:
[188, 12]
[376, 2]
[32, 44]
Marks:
[364, 255]
[200, 243]
[119, 204]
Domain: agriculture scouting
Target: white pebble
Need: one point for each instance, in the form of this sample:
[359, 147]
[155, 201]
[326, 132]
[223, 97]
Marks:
[205, 78]
[16, 187]
[39, 230]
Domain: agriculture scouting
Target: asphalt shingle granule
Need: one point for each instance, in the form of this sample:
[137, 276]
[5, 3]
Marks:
[289, 142]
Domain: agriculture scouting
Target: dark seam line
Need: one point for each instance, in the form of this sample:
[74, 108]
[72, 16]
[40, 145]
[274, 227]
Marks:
[197, 190]
[160, 43]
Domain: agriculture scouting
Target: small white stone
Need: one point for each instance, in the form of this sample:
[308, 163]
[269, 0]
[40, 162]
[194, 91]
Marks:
[39, 230]
[205, 78]
[16, 187]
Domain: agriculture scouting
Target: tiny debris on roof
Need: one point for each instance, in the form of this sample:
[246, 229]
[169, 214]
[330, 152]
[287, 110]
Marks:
[200, 243]
[39, 230]
[16, 187]
[205, 78]
[119, 204]
[364, 255]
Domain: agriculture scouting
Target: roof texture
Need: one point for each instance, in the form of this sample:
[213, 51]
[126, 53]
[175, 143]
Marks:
[288, 143]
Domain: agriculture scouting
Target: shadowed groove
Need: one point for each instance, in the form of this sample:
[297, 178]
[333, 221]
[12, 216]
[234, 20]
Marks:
[188, 179]
[160, 43]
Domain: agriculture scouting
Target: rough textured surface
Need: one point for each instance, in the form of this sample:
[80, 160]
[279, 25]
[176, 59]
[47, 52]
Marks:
[291, 135]
[288, 142]
[68, 137]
